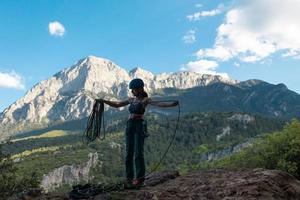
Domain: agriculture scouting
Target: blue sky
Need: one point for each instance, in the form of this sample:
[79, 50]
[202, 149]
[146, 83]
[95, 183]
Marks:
[217, 37]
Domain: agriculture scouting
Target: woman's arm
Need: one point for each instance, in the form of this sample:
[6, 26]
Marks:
[161, 103]
[116, 104]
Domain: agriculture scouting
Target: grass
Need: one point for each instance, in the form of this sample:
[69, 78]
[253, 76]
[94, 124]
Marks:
[38, 150]
[49, 134]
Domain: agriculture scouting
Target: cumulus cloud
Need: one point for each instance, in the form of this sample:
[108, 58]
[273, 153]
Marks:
[189, 37]
[203, 67]
[198, 15]
[255, 30]
[11, 80]
[56, 29]
[219, 52]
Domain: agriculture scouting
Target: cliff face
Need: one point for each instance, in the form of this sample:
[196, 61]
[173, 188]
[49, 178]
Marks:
[210, 156]
[69, 174]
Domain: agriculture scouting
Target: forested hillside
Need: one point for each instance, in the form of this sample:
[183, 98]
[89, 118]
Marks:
[199, 135]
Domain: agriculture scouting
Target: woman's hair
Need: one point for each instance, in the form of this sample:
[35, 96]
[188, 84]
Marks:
[142, 94]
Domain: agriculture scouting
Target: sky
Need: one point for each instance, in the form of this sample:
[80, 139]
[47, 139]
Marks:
[240, 39]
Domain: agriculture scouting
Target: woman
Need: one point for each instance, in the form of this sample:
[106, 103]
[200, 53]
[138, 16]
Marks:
[136, 130]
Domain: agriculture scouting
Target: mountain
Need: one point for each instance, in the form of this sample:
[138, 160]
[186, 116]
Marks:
[66, 96]
[252, 96]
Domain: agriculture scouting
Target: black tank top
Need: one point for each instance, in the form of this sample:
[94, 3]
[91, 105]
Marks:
[136, 107]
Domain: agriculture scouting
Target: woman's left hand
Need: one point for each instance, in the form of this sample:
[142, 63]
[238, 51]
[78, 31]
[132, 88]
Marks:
[176, 102]
[101, 100]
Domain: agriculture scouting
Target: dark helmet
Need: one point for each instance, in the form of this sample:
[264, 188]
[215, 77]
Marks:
[136, 83]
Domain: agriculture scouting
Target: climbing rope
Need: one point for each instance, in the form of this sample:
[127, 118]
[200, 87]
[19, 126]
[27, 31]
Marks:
[88, 190]
[170, 144]
[94, 122]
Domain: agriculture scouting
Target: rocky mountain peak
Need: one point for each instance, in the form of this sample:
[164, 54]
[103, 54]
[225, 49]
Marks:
[63, 97]
[141, 73]
[250, 83]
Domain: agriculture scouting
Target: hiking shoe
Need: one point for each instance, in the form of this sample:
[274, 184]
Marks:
[137, 183]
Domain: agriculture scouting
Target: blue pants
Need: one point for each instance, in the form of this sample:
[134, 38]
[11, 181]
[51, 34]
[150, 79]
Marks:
[135, 136]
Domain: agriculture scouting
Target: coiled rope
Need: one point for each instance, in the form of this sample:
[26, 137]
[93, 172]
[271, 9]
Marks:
[94, 123]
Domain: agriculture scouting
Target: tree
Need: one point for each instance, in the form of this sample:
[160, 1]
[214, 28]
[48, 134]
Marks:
[10, 183]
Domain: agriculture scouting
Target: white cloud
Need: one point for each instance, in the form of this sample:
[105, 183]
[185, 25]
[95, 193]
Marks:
[11, 80]
[56, 29]
[189, 37]
[257, 29]
[203, 67]
[198, 5]
[198, 15]
[218, 52]
[290, 53]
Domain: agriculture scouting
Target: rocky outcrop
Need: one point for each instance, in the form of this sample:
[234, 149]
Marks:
[243, 118]
[242, 184]
[227, 184]
[225, 131]
[69, 174]
[210, 156]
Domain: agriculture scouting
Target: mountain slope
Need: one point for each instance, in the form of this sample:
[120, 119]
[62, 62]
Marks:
[263, 98]
[67, 95]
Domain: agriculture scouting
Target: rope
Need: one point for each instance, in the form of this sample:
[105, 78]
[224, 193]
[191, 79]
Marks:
[89, 190]
[96, 118]
[170, 144]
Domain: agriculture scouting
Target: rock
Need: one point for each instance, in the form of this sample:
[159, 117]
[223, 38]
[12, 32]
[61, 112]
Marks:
[69, 174]
[242, 184]
[227, 184]
[160, 177]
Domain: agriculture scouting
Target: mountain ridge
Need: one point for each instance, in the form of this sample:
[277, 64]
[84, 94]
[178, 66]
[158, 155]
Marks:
[68, 95]
[91, 74]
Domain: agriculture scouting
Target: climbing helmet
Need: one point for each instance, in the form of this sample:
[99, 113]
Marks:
[136, 83]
